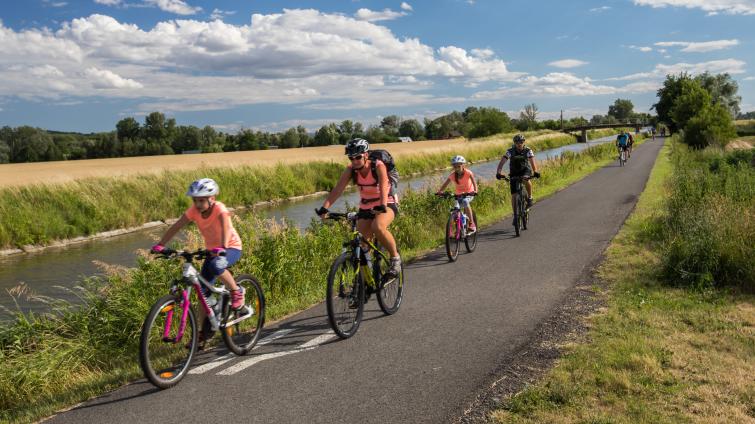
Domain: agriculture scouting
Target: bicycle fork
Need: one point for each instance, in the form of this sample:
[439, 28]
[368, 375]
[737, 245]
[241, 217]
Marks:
[184, 315]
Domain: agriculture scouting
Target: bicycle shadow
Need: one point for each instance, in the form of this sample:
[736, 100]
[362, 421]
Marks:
[436, 258]
[497, 235]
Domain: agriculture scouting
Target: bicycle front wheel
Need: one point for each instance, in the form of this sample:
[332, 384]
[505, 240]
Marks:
[525, 215]
[391, 291]
[163, 355]
[453, 238]
[345, 296]
[471, 240]
[242, 328]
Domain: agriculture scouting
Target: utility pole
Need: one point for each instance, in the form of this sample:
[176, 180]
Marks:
[562, 119]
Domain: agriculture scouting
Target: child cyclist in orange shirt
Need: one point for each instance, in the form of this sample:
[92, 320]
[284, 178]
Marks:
[214, 222]
[465, 183]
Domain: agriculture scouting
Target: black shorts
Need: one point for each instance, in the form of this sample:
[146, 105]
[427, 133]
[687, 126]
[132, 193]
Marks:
[512, 184]
[369, 214]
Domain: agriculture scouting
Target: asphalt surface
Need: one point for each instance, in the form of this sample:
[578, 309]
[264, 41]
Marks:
[458, 322]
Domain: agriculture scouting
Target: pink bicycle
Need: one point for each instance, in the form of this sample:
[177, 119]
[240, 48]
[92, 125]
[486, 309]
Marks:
[457, 227]
[169, 334]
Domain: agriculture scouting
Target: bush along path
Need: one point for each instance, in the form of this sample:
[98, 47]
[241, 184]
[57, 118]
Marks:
[100, 205]
[74, 353]
[677, 340]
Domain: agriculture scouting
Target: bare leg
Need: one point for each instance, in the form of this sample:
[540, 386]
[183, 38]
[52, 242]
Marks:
[380, 229]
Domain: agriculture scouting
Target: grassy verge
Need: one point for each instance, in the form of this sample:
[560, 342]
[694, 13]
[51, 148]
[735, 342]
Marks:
[667, 349]
[89, 206]
[48, 362]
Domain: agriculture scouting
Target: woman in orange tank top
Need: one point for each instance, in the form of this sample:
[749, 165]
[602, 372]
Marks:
[377, 206]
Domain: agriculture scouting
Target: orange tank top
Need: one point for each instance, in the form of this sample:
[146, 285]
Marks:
[464, 183]
[369, 189]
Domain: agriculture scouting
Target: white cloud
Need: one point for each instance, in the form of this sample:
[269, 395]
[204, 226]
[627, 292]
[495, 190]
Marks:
[567, 63]
[699, 47]
[730, 7]
[730, 66]
[643, 49]
[108, 2]
[374, 16]
[406, 6]
[551, 85]
[218, 14]
[55, 3]
[179, 7]
[102, 78]
[298, 56]
[749, 79]
[600, 9]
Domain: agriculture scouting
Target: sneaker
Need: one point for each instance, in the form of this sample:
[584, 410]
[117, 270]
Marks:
[529, 202]
[395, 268]
[237, 299]
[353, 300]
[472, 228]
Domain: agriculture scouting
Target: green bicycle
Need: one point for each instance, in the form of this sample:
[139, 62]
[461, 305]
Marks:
[354, 276]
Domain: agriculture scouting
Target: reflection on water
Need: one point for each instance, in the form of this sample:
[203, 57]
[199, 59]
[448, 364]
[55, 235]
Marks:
[65, 267]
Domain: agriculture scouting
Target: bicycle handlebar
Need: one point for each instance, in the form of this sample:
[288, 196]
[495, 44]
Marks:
[168, 253]
[447, 195]
[522, 177]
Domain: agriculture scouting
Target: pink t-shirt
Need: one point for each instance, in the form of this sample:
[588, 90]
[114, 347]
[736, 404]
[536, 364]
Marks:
[211, 227]
[465, 182]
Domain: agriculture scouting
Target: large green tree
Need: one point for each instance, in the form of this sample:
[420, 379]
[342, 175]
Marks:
[692, 99]
[723, 90]
[711, 125]
[411, 128]
[487, 121]
[621, 109]
[667, 94]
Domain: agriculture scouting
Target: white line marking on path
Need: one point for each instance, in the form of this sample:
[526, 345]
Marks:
[223, 359]
[312, 344]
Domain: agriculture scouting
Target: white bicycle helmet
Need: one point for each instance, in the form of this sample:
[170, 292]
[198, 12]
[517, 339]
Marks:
[357, 146]
[457, 160]
[204, 187]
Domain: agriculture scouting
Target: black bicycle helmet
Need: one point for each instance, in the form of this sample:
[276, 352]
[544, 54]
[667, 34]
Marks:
[519, 138]
[357, 146]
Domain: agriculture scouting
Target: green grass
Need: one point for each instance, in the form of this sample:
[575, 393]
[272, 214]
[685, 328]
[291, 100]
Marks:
[658, 353]
[90, 206]
[49, 362]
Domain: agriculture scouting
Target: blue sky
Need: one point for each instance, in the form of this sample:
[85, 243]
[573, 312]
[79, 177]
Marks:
[82, 65]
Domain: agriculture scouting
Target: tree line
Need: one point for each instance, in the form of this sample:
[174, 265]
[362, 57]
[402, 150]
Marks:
[159, 135]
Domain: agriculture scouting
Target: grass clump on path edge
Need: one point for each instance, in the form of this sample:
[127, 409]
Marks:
[52, 361]
[658, 353]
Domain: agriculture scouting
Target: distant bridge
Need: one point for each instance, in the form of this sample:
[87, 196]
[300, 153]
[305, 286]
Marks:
[582, 137]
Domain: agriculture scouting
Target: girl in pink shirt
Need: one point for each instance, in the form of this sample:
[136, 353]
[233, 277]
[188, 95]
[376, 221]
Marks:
[214, 222]
[465, 184]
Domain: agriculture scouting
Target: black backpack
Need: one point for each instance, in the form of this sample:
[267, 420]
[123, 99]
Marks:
[390, 166]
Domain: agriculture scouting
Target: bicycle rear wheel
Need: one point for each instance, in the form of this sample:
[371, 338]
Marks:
[345, 296]
[453, 238]
[525, 215]
[470, 241]
[390, 292]
[517, 214]
[246, 324]
[163, 356]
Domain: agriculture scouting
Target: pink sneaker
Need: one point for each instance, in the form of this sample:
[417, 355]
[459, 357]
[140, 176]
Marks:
[472, 228]
[237, 299]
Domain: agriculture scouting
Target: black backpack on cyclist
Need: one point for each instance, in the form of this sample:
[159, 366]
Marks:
[390, 166]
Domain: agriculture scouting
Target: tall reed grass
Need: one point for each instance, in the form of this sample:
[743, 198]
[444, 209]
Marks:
[41, 214]
[75, 352]
[708, 232]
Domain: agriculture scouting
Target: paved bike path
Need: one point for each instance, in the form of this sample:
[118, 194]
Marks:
[424, 364]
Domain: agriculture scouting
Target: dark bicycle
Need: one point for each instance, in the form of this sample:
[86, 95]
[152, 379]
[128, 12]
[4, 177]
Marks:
[355, 275]
[521, 211]
[457, 227]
